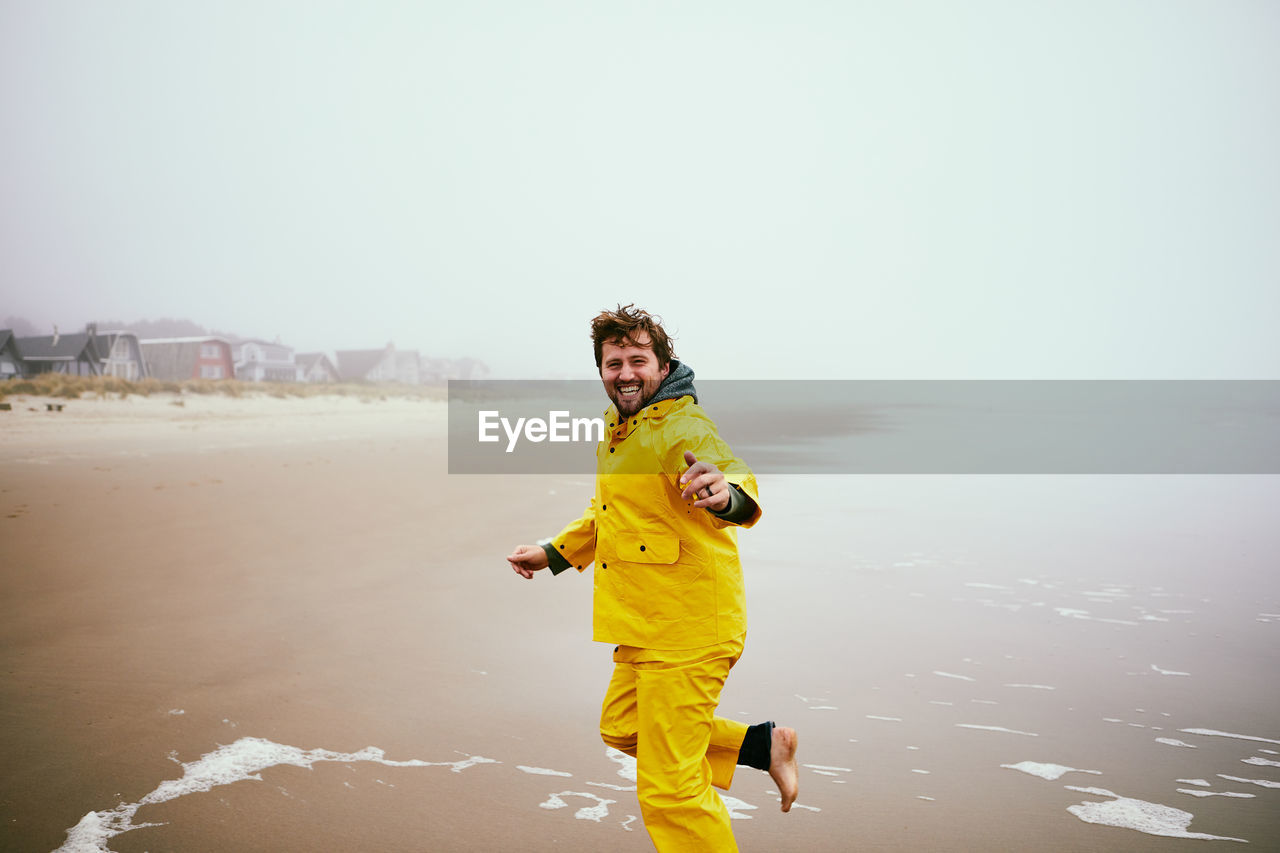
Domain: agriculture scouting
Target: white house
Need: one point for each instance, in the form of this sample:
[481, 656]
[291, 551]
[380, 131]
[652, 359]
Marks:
[264, 361]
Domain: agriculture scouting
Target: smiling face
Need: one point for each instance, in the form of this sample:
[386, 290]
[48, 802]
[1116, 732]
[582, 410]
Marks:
[631, 374]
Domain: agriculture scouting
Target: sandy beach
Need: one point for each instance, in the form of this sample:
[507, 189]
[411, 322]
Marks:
[279, 624]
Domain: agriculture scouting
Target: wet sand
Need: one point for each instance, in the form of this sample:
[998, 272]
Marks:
[305, 573]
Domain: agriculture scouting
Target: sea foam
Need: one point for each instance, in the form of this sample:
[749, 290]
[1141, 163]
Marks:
[1173, 741]
[597, 812]
[1261, 783]
[995, 729]
[1047, 771]
[1215, 733]
[1261, 762]
[953, 675]
[236, 762]
[1128, 813]
[542, 771]
[1168, 671]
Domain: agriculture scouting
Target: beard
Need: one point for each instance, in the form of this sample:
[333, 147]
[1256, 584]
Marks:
[629, 405]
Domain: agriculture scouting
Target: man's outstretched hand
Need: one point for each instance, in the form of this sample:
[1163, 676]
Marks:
[703, 478]
[527, 559]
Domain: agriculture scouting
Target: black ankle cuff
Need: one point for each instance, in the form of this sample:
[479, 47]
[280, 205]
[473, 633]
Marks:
[757, 746]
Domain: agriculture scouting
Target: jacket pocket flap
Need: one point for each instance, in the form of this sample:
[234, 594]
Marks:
[649, 548]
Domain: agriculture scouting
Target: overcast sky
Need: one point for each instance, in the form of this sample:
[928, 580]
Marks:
[865, 190]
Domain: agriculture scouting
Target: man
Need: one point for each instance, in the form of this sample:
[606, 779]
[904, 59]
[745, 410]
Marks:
[662, 531]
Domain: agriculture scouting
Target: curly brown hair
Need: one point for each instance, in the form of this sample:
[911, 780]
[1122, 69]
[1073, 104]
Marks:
[627, 326]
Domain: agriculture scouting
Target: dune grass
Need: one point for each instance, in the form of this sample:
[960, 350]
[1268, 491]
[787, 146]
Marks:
[101, 387]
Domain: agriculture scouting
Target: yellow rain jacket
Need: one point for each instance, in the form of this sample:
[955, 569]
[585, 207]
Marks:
[667, 573]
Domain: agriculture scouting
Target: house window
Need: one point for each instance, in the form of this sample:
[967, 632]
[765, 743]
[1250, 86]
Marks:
[209, 351]
[211, 371]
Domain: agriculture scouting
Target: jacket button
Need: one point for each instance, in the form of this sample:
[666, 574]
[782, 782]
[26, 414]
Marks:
[611, 449]
[561, 547]
[633, 423]
[604, 565]
[604, 506]
[641, 547]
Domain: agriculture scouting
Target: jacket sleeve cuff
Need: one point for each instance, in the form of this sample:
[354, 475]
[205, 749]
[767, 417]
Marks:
[740, 506]
[555, 560]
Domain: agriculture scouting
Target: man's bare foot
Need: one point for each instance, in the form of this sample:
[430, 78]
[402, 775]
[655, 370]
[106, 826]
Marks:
[782, 765]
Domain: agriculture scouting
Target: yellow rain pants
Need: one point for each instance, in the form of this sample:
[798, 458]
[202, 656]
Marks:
[660, 708]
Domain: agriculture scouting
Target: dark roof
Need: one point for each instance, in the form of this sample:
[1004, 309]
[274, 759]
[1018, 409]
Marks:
[6, 335]
[357, 363]
[57, 348]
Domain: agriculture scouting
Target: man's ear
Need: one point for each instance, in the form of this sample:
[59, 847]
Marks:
[666, 368]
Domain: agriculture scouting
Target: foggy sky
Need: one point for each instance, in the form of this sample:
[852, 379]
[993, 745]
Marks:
[826, 190]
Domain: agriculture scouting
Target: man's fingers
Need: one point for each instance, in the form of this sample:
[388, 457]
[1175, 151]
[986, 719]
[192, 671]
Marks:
[693, 463]
[522, 552]
[702, 481]
[697, 469]
[517, 560]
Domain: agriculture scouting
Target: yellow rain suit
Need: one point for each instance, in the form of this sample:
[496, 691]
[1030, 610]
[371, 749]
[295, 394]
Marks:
[669, 593]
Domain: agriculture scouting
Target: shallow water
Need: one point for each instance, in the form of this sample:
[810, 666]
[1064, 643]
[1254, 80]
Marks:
[945, 647]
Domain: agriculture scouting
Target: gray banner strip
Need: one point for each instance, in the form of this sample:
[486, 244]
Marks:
[898, 427]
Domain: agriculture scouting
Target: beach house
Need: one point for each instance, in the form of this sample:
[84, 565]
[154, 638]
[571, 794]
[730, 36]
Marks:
[315, 367]
[408, 364]
[121, 354]
[264, 361]
[74, 355]
[176, 359]
[10, 361]
[368, 365]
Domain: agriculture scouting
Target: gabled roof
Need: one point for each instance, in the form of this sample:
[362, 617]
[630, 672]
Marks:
[6, 335]
[309, 360]
[105, 341]
[358, 363]
[57, 347]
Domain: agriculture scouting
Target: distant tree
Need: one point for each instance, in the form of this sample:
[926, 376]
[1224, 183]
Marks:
[165, 327]
[22, 327]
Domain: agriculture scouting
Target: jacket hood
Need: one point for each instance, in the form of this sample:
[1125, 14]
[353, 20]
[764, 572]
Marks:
[679, 383]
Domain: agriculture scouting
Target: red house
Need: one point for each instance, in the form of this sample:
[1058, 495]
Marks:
[188, 358]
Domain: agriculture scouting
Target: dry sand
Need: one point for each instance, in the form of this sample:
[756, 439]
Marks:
[306, 572]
